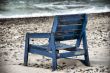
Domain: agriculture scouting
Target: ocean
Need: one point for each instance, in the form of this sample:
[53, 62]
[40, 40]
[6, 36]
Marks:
[38, 8]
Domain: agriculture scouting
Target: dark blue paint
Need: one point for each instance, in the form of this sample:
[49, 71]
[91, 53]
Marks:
[61, 33]
[69, 27]
[26, 49]
[39, 35]
[40, 52]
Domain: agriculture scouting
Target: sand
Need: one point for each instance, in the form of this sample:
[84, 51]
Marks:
[12, 34]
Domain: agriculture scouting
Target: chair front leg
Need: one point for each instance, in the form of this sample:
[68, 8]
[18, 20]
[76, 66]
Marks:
[54, 61]
[86, 55]
[54, 52]
[26, 50]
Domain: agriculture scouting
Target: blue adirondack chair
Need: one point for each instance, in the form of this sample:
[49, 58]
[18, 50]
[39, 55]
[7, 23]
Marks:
[65, 27]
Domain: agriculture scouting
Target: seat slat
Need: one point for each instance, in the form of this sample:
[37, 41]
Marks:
[77, 52]
[39, 51]
[59, 46]
[40, 47]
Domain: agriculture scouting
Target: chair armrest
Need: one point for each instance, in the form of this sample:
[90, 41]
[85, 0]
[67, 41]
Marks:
[38, 35]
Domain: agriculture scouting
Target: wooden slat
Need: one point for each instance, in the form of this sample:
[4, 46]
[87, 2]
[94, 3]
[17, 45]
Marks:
[75, 22]
[78, 52]
[39, 35]
[71, 16]
[70, 19]
[61, 33]
[39, 50]
[62, 46]
[69, 27]
[66, 31]
[67, 37]
[41, 47]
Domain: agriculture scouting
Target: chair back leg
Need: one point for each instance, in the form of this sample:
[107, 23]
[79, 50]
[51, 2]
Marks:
[86, 55]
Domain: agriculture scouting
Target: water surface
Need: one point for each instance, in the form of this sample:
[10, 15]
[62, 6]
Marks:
[36, 8]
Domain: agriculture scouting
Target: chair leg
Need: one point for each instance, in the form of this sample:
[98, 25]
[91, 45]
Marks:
[26, 58]
[54, 53]
[26, 50]
[86, 55]
[54, 63]
[86, 61]
[54, 60]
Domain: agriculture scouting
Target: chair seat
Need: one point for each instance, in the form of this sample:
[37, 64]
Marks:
[59, 46]
[44, 49]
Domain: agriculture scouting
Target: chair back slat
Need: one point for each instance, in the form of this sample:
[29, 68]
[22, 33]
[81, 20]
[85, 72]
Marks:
[69, 27]
[60, 36]
[70, 17]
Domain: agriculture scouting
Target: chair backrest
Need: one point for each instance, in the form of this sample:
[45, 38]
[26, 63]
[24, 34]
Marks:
[68, 27]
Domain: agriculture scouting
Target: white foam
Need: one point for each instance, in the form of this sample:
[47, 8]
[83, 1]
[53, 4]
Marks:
[52, 9]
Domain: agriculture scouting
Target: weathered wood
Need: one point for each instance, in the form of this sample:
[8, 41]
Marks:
[40, 52]
[39, 35]
[77, 52]
[61, 32]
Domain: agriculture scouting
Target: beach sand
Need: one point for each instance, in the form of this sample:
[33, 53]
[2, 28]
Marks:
[12, 35]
